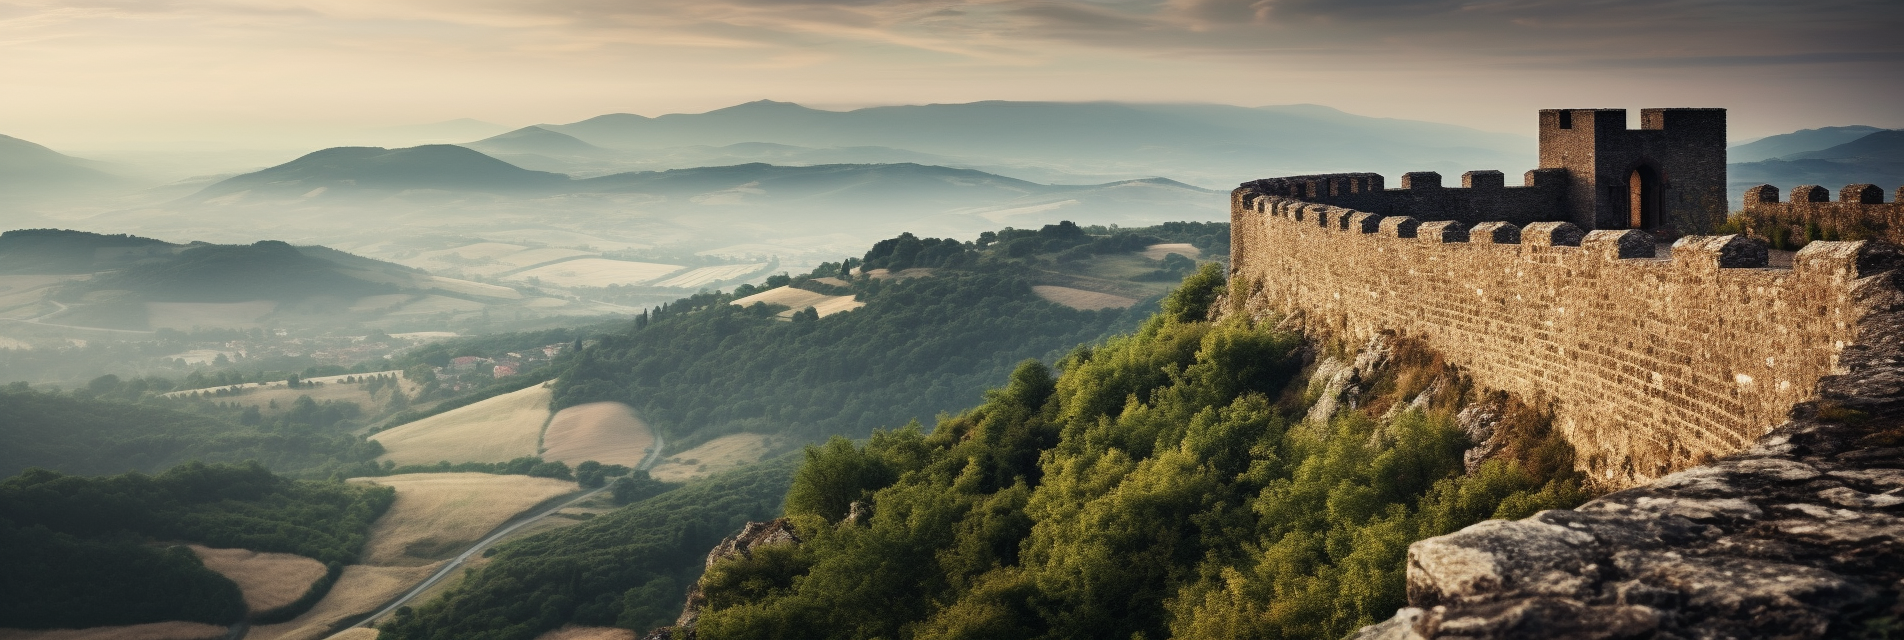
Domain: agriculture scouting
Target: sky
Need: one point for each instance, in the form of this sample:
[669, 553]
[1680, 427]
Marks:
[98, 73]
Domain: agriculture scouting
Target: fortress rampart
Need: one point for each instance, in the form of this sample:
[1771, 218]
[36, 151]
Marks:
[1859, 212]
[1482, 196]
[1651, 364]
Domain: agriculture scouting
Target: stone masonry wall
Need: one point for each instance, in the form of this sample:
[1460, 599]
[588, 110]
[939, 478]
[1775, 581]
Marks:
[1859, 207]
[1482, 195]
[1651, 365]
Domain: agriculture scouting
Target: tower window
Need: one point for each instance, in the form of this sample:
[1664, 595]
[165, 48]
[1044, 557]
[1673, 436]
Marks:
[1566, 119]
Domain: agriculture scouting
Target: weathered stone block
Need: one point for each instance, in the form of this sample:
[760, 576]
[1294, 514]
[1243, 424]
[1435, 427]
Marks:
[1339, 217]
[1762, 193]
[1442, 231]
[1400, 226]
[1487, 179]
[1552, 234]
[1364, 222]
[1495, 233]
[1725, 252]
[1619, 245]
[1861, 194]
[1810, 193]
[1421, 180]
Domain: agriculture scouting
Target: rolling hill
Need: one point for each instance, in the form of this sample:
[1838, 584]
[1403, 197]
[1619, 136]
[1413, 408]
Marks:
[1803, 140]
[28, 169]
[358, 171]
[536, 140]
[1876, 158]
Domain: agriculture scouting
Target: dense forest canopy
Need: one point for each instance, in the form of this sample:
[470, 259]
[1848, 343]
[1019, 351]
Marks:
[921, 346]
[82, 434]
[1164, 485]
[80, 551]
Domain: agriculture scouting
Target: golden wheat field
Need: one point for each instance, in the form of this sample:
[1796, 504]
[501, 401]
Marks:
[361, 589]
[153, 631]
[268, 580]
[710, 275]
[437, 515]
[606, 432]
[572, 632]
[495, 430]
[1158, 251]
[799, 299]
[1081, 299]
[719, 454]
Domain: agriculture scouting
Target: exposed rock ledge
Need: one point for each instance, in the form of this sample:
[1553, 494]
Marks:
[1801, 536]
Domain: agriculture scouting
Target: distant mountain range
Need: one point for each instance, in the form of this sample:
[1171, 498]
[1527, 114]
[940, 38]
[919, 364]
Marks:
[1876, 157]
[1803, 140]
[1211, 145]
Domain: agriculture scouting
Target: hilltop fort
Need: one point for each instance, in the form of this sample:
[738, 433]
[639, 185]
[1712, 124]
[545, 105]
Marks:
[1740, 396]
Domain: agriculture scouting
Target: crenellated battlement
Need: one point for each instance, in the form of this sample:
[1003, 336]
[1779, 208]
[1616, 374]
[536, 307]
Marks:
[1482, 196]
[1653, 360]
[1810, 214]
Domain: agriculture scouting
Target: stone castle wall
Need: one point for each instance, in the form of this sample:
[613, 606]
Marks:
[1859, 208]
[1482, 196]
[1651, 365]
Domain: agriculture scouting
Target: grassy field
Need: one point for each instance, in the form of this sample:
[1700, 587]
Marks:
[360, 590]
[434, 304]
[437, 515]
[423, 281]
[606, 432]
[153, 631]
[1081, 299]
[1158, 251]
[719, 454]
[710, 275]
[381, 303]
[268, 580]
[799, 299]
[495, 430]
[597, 272]
[571, 632]
[186, 315]
[328, 388]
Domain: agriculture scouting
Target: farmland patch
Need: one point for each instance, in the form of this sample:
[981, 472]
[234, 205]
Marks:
[1081, 299]
[719, 454]
[606, 432]
[437, 515]
[268, 580]
[597, 272]
[495, 430]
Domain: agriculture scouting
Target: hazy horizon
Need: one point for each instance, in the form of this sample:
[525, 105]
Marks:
[260, 73]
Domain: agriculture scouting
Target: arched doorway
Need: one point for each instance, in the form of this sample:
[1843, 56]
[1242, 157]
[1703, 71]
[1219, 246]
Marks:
[1642, 187]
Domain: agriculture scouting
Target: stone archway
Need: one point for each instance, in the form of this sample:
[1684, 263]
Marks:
[1643, 198]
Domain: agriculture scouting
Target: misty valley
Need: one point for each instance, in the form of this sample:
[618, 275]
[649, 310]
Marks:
[983, 370]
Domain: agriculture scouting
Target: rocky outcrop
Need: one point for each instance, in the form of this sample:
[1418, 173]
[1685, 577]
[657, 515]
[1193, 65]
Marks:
[1339, 382]
[753, 536]
[1801, 536]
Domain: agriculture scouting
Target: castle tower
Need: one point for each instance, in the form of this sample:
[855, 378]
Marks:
[1668, 174]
